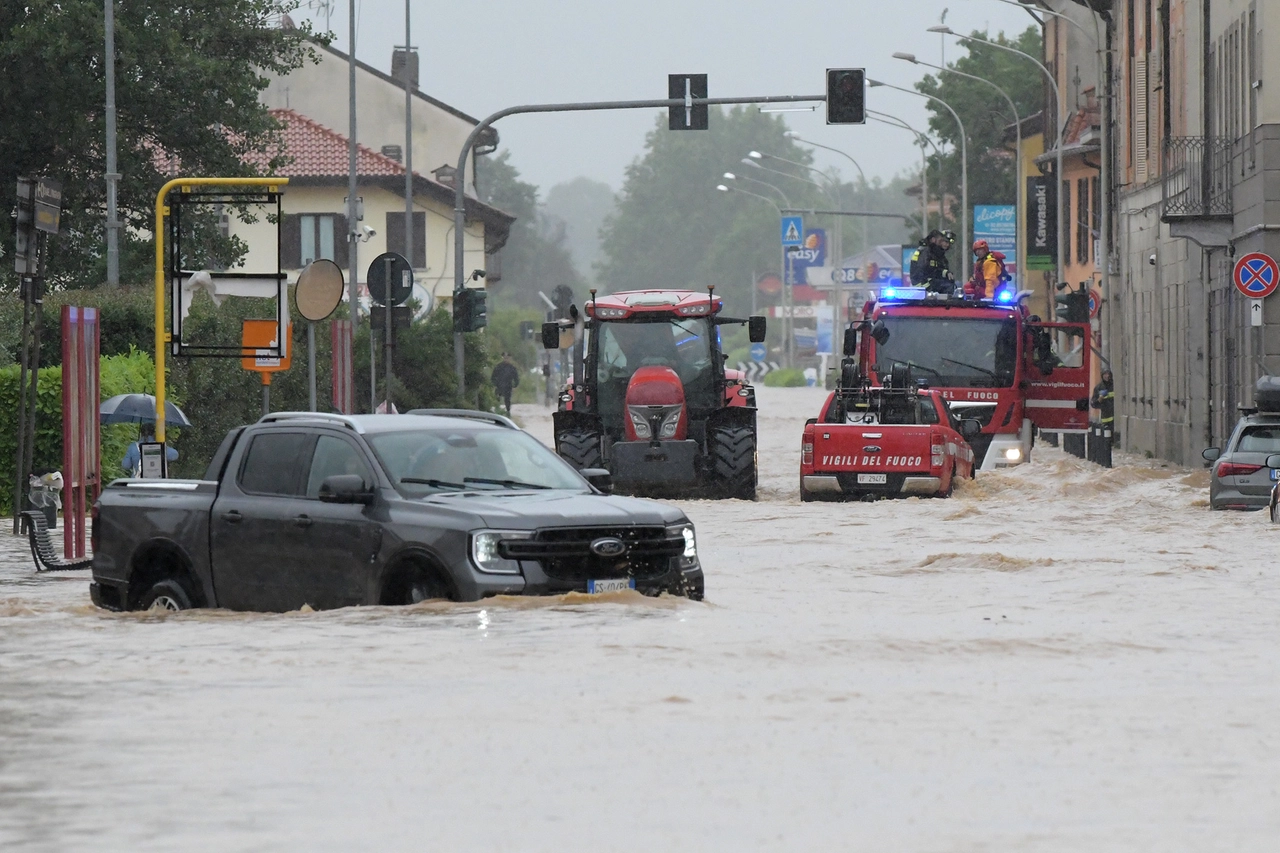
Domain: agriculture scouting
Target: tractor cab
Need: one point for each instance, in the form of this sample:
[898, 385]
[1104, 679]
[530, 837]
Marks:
[650, 394]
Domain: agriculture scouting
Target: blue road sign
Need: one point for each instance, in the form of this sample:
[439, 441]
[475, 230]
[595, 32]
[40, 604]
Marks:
[757, 352]
[793, 231]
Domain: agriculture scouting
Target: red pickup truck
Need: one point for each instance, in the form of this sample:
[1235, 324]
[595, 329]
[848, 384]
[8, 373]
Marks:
[875, 442]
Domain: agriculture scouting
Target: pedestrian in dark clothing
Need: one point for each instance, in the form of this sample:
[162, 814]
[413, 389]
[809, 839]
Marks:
[929, 267]
[505, 377]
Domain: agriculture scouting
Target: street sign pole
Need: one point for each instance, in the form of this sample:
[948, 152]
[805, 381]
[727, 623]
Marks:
[386, 334]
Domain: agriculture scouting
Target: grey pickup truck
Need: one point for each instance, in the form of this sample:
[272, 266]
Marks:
[333, 511]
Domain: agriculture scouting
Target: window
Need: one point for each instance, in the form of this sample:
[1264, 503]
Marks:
[275, 462]
[1260, 439]
[307, 237]
[335, 456]
[395, 237]
[1083, 231]
[1066, 221]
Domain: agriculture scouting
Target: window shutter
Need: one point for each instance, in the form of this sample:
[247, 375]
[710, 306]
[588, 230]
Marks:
[290, 242]
[395, 232]
[419, 241]
[341, 242]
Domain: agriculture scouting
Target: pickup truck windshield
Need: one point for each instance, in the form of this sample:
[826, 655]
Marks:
[472, 458]
[951, 352]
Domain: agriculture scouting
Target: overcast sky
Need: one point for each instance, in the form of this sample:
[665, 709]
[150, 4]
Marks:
[483, 55]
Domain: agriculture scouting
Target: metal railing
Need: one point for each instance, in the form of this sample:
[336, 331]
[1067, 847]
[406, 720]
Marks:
[1196, 177]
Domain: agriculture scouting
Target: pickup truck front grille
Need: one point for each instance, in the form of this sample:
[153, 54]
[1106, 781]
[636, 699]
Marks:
[565, 553]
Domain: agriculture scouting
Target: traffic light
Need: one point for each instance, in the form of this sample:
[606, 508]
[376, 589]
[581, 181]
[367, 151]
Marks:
[1072, 307]
[846, 96]
[469, 314]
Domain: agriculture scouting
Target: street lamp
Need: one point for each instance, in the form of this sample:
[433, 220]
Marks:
[964, 157]
[837, 288]
[730, 176]
[921, 139]
[1017, 123]
[1057, 142]
[786, 296]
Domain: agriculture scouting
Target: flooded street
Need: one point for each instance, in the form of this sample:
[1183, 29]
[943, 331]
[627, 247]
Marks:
[1058, 658]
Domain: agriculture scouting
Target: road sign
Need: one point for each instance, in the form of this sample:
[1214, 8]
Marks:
[687, 87]
[1256, 275]
[401, 279]
[1255, 312]
[1095, 302]
[793, 230]
[48, 205]
[260, 336]
[758, 352]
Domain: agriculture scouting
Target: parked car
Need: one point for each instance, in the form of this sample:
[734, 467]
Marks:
[1240, 478]
[332, 511]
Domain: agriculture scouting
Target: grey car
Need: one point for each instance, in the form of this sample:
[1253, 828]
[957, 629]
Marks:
[331, 511]
[1240, 478]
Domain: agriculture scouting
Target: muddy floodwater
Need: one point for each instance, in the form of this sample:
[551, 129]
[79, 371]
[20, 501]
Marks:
[1057, 658]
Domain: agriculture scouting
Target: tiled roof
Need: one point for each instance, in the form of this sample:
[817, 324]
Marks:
[315, 151]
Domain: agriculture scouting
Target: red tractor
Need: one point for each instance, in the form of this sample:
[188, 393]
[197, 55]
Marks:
[650, 399]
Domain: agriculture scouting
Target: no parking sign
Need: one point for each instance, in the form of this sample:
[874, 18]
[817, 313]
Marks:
[1256, 275]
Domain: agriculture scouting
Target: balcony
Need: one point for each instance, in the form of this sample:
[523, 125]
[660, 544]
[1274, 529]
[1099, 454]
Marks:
[1196, 179]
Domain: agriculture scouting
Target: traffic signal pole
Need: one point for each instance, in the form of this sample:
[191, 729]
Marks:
[459, 187]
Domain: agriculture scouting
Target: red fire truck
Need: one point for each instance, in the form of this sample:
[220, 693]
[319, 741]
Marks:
[991, 359]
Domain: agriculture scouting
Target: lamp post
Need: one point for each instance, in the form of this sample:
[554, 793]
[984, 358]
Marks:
[1104, 162]
[786, 320]
[791, 134]
[730, 176]
[113, 222]
[1057, 142]
[837, 276]
[1017, 123]
[921, 139]
[964, 157]
[352, 231]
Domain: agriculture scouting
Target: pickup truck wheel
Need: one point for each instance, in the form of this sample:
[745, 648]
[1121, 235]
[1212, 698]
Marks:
[415, 586]
[951, 484]
[581, 448]
[167, 594]
[733, 462]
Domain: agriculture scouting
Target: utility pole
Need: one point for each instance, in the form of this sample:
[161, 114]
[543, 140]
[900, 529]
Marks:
[113, 223]
[352, 242]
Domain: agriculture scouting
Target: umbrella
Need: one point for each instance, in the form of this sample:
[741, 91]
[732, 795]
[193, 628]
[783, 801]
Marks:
[137, 409]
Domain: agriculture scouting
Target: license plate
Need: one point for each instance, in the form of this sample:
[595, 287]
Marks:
[1275, 473]
[610, 585]
[873, 478]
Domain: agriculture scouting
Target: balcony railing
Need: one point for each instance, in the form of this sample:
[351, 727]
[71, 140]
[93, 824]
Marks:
[1196, 180]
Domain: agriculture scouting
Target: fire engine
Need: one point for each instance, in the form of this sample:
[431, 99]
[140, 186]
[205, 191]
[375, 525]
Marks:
[992, 359]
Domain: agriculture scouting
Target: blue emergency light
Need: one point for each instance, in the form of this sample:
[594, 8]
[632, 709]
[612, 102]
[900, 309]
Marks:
[902, 294]
[1005, 296]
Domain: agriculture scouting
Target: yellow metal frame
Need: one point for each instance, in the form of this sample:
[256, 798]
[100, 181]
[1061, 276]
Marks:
[163, 336]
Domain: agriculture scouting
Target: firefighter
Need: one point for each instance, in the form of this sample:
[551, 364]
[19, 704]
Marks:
[1104, 400]
[929, 263]
[988, 272]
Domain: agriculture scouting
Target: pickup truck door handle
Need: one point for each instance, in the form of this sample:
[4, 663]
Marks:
[233, 516]
[302, 520]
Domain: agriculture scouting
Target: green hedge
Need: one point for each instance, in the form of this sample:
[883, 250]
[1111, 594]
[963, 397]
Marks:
[787, 377]
[121, 374]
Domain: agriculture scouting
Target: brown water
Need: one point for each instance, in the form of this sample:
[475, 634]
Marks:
[1058, 658]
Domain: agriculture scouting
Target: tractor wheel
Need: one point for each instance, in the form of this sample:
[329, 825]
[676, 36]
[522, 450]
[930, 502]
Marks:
[733, 462]
[581, 448]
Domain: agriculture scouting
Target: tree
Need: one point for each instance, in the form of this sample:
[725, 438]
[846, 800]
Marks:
[985, 113]
[188, 74]
[582, 204]
[536, 256]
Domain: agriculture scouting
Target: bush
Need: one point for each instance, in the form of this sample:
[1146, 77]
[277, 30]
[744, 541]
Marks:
[787, 377]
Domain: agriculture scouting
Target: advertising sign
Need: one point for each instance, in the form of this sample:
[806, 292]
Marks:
[811, 253]
[1042, 223]
[998, 225]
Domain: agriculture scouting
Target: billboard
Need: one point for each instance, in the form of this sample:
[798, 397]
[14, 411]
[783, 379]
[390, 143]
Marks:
[813, 253]
[1042, 223]
[998, 225]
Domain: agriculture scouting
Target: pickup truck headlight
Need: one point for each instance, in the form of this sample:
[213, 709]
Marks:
[688, 559]
[484, 551]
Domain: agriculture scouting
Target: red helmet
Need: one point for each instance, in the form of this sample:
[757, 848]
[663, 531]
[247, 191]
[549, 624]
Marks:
[980, 247]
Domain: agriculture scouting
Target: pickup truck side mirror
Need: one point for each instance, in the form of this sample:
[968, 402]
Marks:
[600, 478]
[551, 336]
[756, 329]
[969, 427]
[345, 489]
[1209, 454]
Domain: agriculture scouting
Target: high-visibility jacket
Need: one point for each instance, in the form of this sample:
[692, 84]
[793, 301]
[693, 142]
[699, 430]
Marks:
[988, 272]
